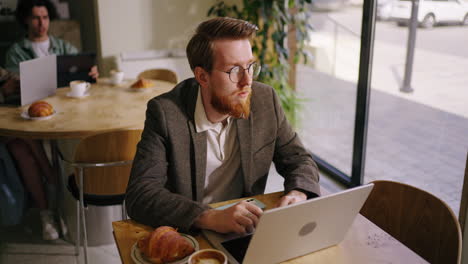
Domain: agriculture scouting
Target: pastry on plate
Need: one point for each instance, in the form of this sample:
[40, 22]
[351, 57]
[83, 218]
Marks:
[40, 109]
[142, 83]
[164, 245]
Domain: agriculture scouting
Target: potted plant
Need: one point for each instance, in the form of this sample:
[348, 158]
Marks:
[279, 43]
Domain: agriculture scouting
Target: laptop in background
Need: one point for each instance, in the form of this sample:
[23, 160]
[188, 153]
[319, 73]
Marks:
[74, 67]
[295, 230]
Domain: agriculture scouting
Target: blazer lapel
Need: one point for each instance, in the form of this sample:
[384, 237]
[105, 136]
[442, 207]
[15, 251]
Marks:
[244, 136]
[199, 144]
[199, 151]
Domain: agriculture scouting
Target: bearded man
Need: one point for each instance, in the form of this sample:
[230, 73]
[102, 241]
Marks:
[213, 138]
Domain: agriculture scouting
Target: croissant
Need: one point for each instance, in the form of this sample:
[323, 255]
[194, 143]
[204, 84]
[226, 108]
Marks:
[143, 83]
[165, 245]
[40, 109]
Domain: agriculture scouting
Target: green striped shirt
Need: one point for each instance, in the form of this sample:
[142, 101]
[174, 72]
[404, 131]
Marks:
[23, 51]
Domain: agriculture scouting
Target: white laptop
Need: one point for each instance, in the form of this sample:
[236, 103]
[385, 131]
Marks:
[38, 78]
[294, 230]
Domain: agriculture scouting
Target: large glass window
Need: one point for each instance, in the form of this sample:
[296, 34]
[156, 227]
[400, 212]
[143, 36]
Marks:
[329, 84]
[420, 138]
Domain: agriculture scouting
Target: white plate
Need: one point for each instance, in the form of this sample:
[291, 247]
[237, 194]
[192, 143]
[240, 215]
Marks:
[25, 115]
[138, 258]
[69, 94]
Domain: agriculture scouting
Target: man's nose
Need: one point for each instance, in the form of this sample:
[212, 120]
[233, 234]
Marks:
[246, 79]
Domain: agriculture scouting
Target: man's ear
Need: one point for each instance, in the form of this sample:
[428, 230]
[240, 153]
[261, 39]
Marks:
[201, 76]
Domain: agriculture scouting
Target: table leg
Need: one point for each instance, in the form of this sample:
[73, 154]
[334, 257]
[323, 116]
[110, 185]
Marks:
[56, 165]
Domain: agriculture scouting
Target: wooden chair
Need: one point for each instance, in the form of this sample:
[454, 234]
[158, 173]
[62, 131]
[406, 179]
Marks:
[416, 218]
[103, 164]
[159, 74]
[464, 200]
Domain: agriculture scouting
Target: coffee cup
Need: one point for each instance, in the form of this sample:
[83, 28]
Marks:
[208, 256]
[79, 88]
[116, 77]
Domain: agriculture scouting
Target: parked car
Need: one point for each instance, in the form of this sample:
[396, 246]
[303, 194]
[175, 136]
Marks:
[384, 9]
[431, 12]
[328, 5]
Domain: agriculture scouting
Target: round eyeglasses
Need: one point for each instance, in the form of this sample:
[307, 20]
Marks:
[236, 73]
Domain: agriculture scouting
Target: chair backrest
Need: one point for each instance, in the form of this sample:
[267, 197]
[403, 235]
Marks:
[159, 74]
[107, 147]
[416, 218]
[464, 200]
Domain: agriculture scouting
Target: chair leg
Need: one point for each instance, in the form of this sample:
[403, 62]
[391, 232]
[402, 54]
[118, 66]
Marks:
[124, 211]
[78, 223]
[83, 217]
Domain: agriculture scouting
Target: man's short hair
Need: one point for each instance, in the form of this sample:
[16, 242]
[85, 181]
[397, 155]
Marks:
[24, 10]
[200, 47]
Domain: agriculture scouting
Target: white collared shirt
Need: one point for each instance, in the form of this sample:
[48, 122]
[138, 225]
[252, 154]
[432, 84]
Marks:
[223, 179]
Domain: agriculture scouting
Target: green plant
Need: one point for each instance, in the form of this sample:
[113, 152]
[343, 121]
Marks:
[274, 18]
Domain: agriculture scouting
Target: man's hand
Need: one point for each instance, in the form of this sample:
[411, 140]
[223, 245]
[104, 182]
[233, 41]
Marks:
[94, 72]
[292, 197]
[240, 218]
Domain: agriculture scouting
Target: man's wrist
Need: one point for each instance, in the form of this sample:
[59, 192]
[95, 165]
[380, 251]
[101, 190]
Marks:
[308, 194]
[298, 193]
[202, 221]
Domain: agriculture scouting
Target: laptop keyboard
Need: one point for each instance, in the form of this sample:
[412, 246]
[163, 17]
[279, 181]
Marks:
[237, 247]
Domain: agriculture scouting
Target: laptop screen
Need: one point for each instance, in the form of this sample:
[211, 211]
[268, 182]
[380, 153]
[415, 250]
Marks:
[74, 67]
[238, 247]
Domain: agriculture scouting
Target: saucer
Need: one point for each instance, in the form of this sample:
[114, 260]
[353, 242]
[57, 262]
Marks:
[25, 115]
[69, 94]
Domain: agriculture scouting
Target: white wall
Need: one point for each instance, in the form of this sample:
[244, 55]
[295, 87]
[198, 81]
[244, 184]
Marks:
[137, 25]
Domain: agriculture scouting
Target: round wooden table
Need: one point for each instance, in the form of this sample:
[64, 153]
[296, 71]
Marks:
[107, 108]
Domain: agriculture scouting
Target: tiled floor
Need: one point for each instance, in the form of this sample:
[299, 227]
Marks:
[23, 244]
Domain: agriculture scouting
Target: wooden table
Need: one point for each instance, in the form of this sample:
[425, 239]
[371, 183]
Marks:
[107, 108]
[364, 243]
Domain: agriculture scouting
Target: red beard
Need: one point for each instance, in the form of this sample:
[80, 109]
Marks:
[227, 105]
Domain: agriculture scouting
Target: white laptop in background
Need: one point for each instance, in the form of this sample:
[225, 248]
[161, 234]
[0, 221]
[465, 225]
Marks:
[295, 230]
[38, 78]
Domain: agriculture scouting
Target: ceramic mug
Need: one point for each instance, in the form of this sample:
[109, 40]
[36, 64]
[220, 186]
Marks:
[116, 77]
[79, 88]
[207, 256]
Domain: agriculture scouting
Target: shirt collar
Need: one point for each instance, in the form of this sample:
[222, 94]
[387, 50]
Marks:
[201, 121]
[27, 44]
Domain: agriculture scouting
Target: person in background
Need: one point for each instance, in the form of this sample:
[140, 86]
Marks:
[9, 86]
[29, 155]
[213, 138]
[32, 163]
[34, 16]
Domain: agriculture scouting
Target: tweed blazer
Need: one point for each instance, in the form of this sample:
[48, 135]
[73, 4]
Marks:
[168, 174]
